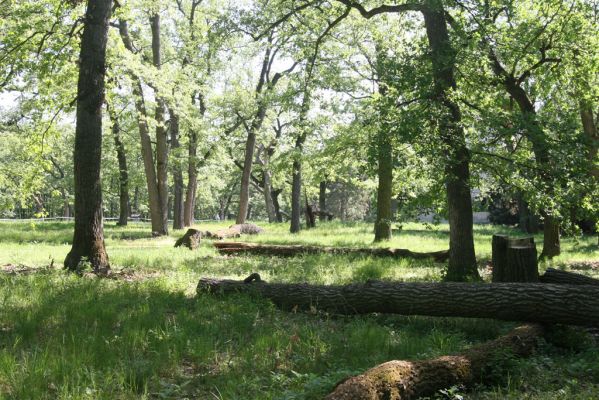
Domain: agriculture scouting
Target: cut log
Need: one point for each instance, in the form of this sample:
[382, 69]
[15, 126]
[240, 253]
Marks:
[562, 277]
[530, 302]
[191, 239]
[414, 379]
[514, 259]
[293, 250]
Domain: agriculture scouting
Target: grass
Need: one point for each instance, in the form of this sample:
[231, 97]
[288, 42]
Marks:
[151, 337]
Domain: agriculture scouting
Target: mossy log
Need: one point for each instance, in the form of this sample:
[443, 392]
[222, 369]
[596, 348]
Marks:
[414, 379]
[191, 239]
[293, 250]
[529, 302]
[553, 275]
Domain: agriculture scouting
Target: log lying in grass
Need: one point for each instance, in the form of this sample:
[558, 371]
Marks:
[562, 277]
[414, 379]
[293, 250]
[531, 302]
[191, 239]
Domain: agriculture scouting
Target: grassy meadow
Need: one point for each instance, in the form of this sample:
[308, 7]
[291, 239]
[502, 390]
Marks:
[146, 335]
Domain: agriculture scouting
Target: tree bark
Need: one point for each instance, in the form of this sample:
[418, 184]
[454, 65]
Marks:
[191, 239]
[178, 201]
[296, 188]
[552, 275]
[531, 302]
[514, 259]
[462, 259]
[382, 225]
[402, 380]
[322, 200]
[145, 140]
[295, 250]
[275, 202]
[161, 134]
[123, 171]
[88, 238]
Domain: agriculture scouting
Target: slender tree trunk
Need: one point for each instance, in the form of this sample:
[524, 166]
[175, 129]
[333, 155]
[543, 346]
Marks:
[161, 134]
[296, 192]
[462, 259]
[123, 171]
[145, 141]
[275, 201]
[244, 196]
[88, 239]
[178, 201]
[322, 200]
[267, 188]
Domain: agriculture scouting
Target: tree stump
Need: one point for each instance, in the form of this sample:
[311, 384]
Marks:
[514, 259]
[191, 239]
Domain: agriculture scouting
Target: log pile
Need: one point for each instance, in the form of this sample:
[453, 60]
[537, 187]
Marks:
[530, 302]
[414, 379]
[294, 250]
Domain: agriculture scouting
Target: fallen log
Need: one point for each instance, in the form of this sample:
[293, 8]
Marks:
[553, 275]
[530, 302]
[413, 379]
[293, 250]
[247, 229]
[191, 239]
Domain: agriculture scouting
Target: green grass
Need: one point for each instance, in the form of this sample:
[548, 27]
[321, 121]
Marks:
[151, 337]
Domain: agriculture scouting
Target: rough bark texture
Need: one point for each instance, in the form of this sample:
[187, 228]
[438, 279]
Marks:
[310, 217]
[123, 171]
[514, 259]
[531, 302]
[462, 259]
[191, 239]
[161, 134]
[322, 200]
[275, 202]
[178, 200]
[401, 380]
[294, 250]
[88, 239]
[552, 275]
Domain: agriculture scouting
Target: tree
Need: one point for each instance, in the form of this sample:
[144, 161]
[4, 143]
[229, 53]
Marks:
[88, 239]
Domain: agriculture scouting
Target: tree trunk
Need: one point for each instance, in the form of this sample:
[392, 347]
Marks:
[529, 223]
[552, 275]
[462, 259]
[145, 140]
[275, 202]
[531, 302]
[322, 200]
[88, 238]
[514, 259]
[296, 193]
[178, 201]
[296, 250]
[123, 171]
[403, 380]
[161, 134]
[267, 189]
[382, 225]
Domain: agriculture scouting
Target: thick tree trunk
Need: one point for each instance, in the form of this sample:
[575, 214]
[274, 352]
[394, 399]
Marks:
[528, 222]
[295, 250]
[322, 201]
[244, 196]
[462, 259]
[178, 201]
[267, 189]
[88, 239]
[531, 302]
[161, 133]
[145, 140]
[403, 380]
[382, 225]
[123, 171]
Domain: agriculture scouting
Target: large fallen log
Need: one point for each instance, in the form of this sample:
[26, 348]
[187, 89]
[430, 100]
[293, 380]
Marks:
[413, 379]
[531, 302]
[293, 250]
[553, 275]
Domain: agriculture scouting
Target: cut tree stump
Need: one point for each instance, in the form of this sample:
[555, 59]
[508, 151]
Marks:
[402, 380]
[191, 239]
[293, 250]
[514, 259]
[553, 275]
[530, 302]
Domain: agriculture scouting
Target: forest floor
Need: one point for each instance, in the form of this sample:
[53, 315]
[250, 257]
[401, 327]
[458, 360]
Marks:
[145, 334]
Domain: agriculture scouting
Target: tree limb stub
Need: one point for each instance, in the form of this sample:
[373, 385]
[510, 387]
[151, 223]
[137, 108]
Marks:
[530, 302]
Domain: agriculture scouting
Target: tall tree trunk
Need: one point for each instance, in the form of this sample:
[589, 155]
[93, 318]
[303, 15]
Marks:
[123, 171]
[592, 138]
[244, 196]
[322, 200]
[178, 201]
[145, 140]
[296, 190]
[462, 259]
[161, 134]
[88, 238]
[267, 188]
[275, 201]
